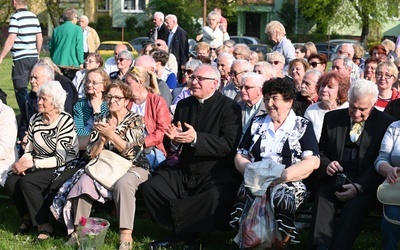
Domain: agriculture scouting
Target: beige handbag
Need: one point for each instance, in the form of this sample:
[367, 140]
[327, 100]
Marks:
[108, 167]
[389, 193]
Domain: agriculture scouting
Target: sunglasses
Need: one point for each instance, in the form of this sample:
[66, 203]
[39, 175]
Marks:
[213, 48]
[187, 71]
[314, 64]
[274, 62]
[158, 44]
[121, 59]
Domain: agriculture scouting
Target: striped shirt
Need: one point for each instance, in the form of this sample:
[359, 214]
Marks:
[26, 26]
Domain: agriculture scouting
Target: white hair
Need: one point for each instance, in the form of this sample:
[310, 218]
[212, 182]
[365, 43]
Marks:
[230, 57]
[269, 69]
[54, 90]
[244, 65]
[258, 79]
[172, 17]
[362, 88]
[159, 14]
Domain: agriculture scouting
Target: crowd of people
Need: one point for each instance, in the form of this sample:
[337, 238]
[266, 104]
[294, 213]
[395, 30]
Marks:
[193, 127]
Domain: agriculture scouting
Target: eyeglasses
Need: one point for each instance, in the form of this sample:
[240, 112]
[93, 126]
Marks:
[379, 75]
[213, 48]
[200, 78]
[108, 98]
[274, 62]
[187, 71]
[87, 82]
[248, 87]
[235, 74]
[121, 59]
[314, 64]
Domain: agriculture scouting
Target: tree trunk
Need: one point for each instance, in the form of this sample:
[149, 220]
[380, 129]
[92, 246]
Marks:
[365, 31]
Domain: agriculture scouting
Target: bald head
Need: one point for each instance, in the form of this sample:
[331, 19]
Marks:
[147, 62]
[118, 48]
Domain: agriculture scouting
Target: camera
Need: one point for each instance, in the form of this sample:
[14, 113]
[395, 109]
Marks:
[340, 180]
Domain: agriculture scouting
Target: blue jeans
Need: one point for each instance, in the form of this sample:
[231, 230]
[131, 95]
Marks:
[155, 157]
[390, 231]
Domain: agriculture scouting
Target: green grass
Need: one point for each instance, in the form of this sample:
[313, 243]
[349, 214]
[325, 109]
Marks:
[6, 83]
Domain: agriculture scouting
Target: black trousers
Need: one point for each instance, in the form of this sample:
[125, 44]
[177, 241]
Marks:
[27, 193]
[338, 232]
[203, 207]
[20, 74]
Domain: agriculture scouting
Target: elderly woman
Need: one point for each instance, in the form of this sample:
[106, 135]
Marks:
[93, 60]
[8, 133]
[254, 58]
[277, 60]
[370, 68]
[124, 64]
[386, 75]
[379, 52]
[121, 132]
[146, 102]
[214, 32]
[387, 165]
[390, 49]
[277, 33]
[297, 68]
[87, 109]
[52, 142]
[284, 138]
[265, 69]
[332, 92]
[318, 61]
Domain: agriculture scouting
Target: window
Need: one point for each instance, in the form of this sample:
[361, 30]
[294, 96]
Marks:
[133, 5]
[103, 5]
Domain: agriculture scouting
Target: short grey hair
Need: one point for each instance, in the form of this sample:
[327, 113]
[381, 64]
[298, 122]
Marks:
[317, 74]
[146, 61]
[192, 64]
[126, 54]
[54, 90]
[230, 43]
[259, 79]
[267, 67]
[244, 65]
[347, 62]
[276, 56]
[69, 14]
[362, 88]
[172, 17]
[213, 74]
[159, 14]
[47, 70]
[230, 57]
[275, 26]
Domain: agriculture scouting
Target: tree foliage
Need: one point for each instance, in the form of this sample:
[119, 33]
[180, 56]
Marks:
[342, 13]
[5, 11]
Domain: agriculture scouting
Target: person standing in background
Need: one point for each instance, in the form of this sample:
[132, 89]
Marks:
[91, 40]
[160, 31]
[66, 47]
[25, 42]
[177, 42]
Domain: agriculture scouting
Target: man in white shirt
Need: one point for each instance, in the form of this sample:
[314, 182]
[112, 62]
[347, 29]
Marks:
[111, 63]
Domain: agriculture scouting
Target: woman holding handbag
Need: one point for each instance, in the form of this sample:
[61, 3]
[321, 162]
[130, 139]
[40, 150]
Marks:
[387, 165]
[121, 132]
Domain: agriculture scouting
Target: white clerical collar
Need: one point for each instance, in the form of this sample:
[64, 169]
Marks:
[204, 99]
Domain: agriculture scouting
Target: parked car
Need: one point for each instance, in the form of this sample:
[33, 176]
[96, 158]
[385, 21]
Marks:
[246, 39]
[139, 42]
[264, 48]
[106, 48]
[325, 48]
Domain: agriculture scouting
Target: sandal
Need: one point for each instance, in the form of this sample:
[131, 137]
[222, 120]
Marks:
[25, 228]
[46, 235]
